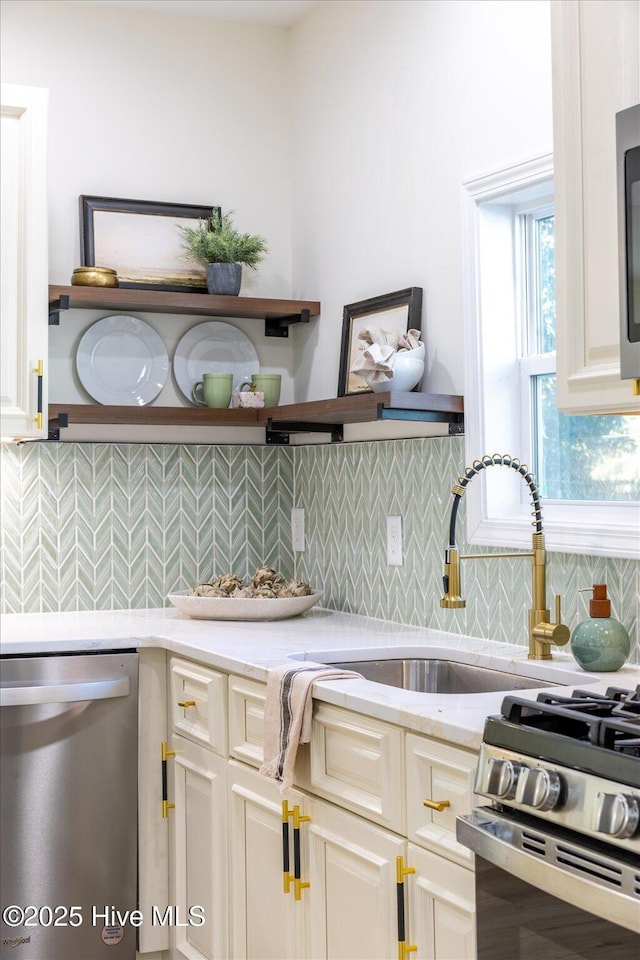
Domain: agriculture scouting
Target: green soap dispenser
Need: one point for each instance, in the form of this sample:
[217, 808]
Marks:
[600, 643]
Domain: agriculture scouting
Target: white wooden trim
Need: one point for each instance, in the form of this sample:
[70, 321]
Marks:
[488, 186]
[24, 261]
[595, 529]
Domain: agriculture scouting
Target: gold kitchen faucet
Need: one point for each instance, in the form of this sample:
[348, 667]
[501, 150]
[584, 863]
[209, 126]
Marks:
[542, 632]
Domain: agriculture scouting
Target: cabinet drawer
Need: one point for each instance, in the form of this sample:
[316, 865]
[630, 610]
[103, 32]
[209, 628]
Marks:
[246, 720]
[357, 762]
[198, 704]
[439, 772]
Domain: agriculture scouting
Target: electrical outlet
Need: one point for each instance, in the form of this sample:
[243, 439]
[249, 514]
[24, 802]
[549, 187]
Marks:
[297, 530]
[394, 541]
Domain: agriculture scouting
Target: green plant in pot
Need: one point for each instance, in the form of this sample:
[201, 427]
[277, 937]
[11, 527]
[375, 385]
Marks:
[222, 250]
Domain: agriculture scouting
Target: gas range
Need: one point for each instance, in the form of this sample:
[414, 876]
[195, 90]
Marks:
[562, 774]
[572, 760]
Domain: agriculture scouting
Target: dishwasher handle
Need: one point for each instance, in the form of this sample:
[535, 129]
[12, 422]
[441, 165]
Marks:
[65, 692]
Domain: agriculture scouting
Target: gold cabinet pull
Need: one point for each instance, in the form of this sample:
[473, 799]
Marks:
[166, 806]
[405, 948]
[292, 878]
[186, 703]
[287, 876]
[39, 372]
[438, 805]
[298, 884]
[401, 872]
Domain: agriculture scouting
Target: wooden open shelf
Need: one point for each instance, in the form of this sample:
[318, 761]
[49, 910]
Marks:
[163, 416]
[315, 415]
[278, 315]
[367, 407]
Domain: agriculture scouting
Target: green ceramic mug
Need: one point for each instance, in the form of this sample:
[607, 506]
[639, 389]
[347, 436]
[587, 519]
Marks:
[214, 390]
[269, 384]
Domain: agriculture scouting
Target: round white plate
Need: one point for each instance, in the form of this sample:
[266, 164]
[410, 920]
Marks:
[231, 608]
[122, 361]
[213, 347]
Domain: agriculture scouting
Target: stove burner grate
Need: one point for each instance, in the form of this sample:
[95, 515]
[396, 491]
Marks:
[599, 733]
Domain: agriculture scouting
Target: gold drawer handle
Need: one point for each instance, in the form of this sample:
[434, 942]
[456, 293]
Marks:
[166, 806]
[438, 805]
[186, 703]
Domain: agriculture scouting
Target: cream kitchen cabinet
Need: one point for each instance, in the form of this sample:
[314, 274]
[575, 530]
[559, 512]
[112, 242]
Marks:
[358, 803]
[344, 901]
[352, 870]
[198, 865]
[23, 308]
[266, 922]
[596, 73]
[442, 911]
[440, 780]
[197, 811]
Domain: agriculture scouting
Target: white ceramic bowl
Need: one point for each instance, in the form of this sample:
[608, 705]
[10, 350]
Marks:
[408, 370]
[236, 608]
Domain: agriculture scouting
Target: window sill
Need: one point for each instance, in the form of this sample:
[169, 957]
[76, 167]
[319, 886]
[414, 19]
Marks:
[611, 530]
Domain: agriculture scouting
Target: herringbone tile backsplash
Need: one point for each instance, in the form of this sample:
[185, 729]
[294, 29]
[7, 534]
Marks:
[113, 526]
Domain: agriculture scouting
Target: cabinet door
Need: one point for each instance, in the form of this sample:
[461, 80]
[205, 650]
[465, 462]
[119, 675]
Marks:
[199, 857]
[596, 73]
[441, 916]
[352, 893]
[438, 775]
[24, 304]
[267, 922]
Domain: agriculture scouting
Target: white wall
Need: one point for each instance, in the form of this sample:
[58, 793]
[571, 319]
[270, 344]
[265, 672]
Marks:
[394, 104]
[161, 108]
[344, 141]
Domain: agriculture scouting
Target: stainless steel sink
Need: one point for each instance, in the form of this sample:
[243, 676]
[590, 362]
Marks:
[428, 675]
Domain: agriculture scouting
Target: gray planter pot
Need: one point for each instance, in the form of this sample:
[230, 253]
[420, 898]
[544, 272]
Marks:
[224, 279]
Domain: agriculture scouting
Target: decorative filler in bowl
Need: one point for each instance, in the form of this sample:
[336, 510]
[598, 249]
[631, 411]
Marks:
[389, 360]
[266, 596]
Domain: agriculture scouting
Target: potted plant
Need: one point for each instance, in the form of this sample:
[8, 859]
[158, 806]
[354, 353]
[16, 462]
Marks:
[219, 247]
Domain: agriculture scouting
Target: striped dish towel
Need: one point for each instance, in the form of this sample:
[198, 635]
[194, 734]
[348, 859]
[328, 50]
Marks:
[287, 715]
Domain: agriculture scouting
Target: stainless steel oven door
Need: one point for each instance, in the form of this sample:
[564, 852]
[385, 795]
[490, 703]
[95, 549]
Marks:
[545, 893]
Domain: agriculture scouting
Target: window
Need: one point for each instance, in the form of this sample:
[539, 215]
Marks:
[586, 466]
[573, 457]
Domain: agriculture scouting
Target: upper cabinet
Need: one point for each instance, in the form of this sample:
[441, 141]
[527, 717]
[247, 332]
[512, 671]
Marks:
[596, 73]
[24, 313]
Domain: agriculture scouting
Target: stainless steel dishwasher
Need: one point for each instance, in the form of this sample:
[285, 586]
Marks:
[68, 798]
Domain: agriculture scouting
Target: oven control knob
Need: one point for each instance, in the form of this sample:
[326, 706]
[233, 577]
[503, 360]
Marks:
[502, 778]
[540, 788]
[617, 814]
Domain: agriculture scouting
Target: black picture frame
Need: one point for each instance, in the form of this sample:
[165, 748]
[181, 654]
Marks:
[401, 309]
[135, 238]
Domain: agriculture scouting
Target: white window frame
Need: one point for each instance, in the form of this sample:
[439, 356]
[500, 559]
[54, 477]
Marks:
[498, 505]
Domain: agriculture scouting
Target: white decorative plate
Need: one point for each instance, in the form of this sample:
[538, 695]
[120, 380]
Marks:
[122, 361]
[213, 347]
[253, 608]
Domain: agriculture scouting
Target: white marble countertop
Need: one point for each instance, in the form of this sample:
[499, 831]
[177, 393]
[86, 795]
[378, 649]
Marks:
[249, 649]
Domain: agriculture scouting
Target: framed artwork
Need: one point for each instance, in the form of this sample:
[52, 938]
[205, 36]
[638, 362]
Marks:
[139, 239]
[393, 312]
